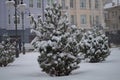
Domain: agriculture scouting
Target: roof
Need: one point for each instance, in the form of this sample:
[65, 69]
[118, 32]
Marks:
[112, 4]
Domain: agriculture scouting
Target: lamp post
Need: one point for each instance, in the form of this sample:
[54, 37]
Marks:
[22, 8]
[9, 4]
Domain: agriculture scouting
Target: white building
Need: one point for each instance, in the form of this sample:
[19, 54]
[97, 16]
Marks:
[7, 18]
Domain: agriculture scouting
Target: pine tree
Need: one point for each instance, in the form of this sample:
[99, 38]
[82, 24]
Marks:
[7, 52]
[57, 42]
[94, 46]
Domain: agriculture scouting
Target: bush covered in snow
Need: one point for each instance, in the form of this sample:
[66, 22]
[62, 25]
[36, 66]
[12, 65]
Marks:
[57, 42]
[7, 52]
[94, 46]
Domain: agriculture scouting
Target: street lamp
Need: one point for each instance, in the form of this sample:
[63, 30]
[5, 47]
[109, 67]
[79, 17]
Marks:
[10, 3]
[19, 9]
[22, 8]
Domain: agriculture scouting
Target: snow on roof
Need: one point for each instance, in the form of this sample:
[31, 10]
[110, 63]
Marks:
[109, 5]
[112, 4]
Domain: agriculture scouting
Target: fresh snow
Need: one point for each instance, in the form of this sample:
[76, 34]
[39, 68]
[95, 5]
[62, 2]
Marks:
[110, 5]
[26, 67]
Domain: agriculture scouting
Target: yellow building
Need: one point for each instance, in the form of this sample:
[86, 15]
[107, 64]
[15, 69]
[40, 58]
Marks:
[84, 13]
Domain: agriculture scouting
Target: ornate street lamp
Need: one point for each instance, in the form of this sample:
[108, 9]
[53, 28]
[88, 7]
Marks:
[11, 3]
[22, 8]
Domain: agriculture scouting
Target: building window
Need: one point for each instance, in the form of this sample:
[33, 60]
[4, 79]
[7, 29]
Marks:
[9, 21]
[30, 3]
[63, 4]
[116, 13]
[71, 3]
[18, 20]
[90, 20]
[50, 2]
[113, 26]
[90, 4]
[108, 15]
[83, 19]
[38, 3]
[119, 18]
[116, 26]
[82, 3]
[113, 14]
[97, 20]
[73, 19]
[96, 4]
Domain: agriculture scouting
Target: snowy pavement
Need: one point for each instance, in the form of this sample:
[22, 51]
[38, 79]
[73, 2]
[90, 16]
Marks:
[26, 68]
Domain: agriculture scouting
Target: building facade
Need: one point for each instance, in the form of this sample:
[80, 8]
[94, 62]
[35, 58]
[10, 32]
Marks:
[112, 20]
[7, 18]
[84, 13]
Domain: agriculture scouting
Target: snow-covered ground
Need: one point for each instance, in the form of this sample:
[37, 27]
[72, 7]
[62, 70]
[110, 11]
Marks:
[27, 68]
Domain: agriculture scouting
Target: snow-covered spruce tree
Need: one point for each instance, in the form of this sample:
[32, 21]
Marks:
[7, 52]
[94, 46]
[57, 42]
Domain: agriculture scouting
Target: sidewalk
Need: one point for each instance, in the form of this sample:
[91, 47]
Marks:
[26, 67]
